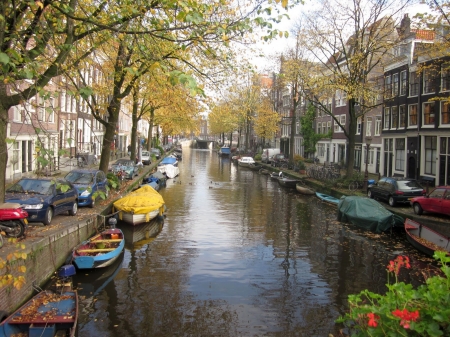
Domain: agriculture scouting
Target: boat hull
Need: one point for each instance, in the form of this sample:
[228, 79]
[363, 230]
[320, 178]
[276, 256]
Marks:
[137, 219]
[43, 315]
[89, 256]
[288, 183]
[304, 190]
[425, 239]
[327, 198]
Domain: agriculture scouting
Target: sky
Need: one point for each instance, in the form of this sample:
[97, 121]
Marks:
[270, 50]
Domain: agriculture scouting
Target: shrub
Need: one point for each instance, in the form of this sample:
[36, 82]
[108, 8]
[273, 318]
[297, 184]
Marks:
[403, 311]
[258, 156]
[113, 181]
[301, 165]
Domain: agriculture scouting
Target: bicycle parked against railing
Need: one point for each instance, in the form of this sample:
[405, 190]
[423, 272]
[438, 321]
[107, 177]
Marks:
[356, 183]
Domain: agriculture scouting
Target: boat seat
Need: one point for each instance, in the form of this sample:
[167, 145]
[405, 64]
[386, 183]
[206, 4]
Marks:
[96, 250]
[107, 240]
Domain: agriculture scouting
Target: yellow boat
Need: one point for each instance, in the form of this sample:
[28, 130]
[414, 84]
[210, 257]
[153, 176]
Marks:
[140, 206]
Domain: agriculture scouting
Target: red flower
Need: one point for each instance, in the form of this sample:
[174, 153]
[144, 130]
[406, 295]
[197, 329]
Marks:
[394, 266]
[406, 316]
[373, 319]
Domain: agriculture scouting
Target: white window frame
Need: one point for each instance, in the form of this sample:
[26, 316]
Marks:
[377, 125]
[387, 118]
[403, 83]
[409, 115]
[445, 77]
[358, 125]
[368, 126]
[394, 108]
[432, 113]
[395, 84]
[445, 110]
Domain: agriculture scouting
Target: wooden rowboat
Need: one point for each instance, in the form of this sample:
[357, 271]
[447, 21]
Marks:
[100, 250]
[44, 315]
[328, 198]
[288, 182]
[303, 189]
[425, 239]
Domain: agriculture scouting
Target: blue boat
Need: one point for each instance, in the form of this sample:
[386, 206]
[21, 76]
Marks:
[46, 314]
[328, 198]
[225, 151]
[99, 251]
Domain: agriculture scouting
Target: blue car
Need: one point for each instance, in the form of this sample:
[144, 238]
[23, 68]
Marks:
[126, 168]
[44, 198]
[88, 182]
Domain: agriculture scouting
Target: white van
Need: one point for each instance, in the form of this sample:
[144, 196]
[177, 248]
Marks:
[267, 155]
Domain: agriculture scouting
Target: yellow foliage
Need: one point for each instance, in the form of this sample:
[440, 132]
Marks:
[22, 269]
[19, 282]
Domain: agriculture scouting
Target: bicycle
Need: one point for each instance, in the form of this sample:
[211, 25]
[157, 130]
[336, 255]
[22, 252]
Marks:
[355, 185]
[81, 162]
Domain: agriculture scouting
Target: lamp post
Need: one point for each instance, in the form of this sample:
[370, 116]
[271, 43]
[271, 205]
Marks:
[366, 173]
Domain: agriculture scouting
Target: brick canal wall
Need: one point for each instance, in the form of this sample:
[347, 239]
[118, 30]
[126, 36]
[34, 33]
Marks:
[44, 256]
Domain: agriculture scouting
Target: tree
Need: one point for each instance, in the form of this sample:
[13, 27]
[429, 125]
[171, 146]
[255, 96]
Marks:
[348, 42]
[310, 137]
[44, 39]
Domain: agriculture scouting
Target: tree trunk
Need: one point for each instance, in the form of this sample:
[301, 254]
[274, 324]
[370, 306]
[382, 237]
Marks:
[150, 130]
[3, 150]
[108, 139]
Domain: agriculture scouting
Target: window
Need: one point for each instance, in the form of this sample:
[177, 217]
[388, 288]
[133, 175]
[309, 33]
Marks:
[428, 81]
[402, 116]
[319, 125]
[387, 86]
[377, 125]
[341, 98]
[328, 126]
[41, 109]
[394, 117]
[400, 154]
[342, 120]
[403, 83]
[445, 113]
[369, 127]
[413, 84]
[320, 150]
[336, 127]
[17, 113]
[395, 85]
[412, 115]
[51, 111]
[358, 126]
[428, 113]
[430, 154]
[387, 118]
[15, 156]
[324, 127]
[445, 77]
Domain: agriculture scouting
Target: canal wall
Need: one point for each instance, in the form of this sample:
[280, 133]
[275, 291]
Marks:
[44, 256]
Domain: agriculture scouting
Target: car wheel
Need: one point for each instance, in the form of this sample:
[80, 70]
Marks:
[370, 194]
[391, 201]
[74, 209]
[417, 208]
[48, 216]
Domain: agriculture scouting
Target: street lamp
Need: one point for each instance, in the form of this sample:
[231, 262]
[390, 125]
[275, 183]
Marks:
[366, 173]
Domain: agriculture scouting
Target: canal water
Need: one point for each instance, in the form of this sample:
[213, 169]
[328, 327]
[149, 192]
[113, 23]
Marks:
[236, 255]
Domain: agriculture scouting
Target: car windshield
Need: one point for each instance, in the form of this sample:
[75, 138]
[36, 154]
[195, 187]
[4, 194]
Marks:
[80, 177]
[124, 163]
[34, 186]
[155, 151]
[145, 154]
[408, 184]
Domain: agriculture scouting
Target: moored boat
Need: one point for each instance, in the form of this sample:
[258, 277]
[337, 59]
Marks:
[245, 161]
[169, 167]
[425, 239]
[46, 314]
[288, 182]
[140, 206]
[327, 198]
[367, 214]
[99, 251]
[264, 171]
[303, 189]
[255, 167]
[225, 151]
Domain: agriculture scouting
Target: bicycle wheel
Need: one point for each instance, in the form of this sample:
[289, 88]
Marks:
[284, 166]
[353, 186]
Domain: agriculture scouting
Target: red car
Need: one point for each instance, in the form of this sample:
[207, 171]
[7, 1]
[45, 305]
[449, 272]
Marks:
[438, 201]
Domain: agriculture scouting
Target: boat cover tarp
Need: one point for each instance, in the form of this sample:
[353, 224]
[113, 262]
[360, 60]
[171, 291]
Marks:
[367, 214]
[225, 150]
[168, 160]
[169, 170]
[141, 201]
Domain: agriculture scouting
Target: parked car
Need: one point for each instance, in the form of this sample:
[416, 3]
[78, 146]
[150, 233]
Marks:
[267, 154]
[155, 152]
[88, 183]
[279, 159]
[146, 157]
[438, 201]
[44, 198]
[127, 166]
[395, 190]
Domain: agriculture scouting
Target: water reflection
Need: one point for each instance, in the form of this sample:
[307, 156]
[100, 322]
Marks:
[238, 256]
